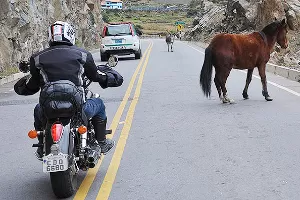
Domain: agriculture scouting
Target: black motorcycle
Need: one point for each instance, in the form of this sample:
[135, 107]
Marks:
[68, 136]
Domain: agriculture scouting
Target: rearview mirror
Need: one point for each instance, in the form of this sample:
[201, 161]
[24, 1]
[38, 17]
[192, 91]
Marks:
[112, 61]
[24, 66]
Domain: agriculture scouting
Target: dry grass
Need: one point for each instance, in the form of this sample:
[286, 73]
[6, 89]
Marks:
[157, 28]
[151, 22]
[8, 71]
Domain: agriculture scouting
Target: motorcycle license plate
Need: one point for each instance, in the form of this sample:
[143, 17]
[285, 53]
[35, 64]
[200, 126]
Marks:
[55, 163]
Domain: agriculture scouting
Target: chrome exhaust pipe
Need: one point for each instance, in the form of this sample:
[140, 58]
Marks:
[93, 157]
[93, 164]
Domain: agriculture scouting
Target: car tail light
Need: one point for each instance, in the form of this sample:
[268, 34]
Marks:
[56, 132]
[131, 30]
[104, 31]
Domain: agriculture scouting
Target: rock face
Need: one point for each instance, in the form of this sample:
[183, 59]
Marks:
[207, 21]
[292, 8]
[241, 16]
[267, 11]
[24, 25]
[233, 16]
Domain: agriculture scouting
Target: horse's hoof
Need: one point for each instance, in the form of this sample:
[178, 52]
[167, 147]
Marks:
[231, 101]
[245, 96]
[268, 99]
[225, 100]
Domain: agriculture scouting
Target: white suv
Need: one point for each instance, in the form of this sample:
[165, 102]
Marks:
[120, 39]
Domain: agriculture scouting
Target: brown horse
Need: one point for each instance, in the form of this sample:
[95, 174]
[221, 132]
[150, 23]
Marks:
[241, 51]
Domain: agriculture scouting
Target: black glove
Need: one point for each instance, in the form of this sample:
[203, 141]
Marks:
[21, 88]
[113, 78]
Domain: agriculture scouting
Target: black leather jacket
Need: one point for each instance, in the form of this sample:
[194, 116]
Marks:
[59, 62]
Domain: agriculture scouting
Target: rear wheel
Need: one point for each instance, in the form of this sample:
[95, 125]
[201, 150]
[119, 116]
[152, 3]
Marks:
[104, 57]
[138, 54]
[64, 183]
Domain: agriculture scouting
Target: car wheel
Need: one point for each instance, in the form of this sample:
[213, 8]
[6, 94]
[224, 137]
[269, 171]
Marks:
[138, 54]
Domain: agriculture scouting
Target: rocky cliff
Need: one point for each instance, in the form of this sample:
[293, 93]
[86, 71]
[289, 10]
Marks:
[244, 16]
[24, 25]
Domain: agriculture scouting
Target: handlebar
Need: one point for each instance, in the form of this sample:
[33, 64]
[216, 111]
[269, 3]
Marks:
[24, 66]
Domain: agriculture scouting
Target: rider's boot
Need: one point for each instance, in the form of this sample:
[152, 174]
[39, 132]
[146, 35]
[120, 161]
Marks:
[39, 151]
[100, 134]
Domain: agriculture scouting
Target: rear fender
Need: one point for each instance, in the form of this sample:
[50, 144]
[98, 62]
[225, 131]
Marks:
[64, 142]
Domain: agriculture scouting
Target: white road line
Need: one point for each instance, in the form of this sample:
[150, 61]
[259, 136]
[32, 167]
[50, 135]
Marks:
[11, 90]
[270, 82]
[196, 49]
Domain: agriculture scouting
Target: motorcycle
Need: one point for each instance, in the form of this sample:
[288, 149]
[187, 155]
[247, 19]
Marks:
[67, 143]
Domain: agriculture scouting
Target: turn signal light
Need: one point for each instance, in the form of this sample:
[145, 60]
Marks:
[82, 129]
[32, 134]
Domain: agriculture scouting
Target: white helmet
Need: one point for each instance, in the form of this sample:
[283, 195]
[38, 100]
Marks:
[61, 32]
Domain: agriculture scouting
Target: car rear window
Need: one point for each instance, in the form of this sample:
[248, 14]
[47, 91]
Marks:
[120, 29]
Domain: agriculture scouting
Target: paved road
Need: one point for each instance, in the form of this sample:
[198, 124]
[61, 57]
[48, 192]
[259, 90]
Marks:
[172, 142]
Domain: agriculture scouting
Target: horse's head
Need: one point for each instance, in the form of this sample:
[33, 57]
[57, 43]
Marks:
[278, 31]
[281, 36]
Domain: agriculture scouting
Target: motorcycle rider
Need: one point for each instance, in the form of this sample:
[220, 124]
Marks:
[64, 61]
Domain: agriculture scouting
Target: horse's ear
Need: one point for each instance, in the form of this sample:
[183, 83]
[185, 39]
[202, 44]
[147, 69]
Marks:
[275, 18]
[283, 22]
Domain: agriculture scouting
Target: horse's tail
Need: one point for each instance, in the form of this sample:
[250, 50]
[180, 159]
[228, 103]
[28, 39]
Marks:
[206, 72]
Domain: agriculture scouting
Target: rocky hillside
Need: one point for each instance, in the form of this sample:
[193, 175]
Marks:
[24, 25]
[246, 16]
[173, 1]
[160, 1]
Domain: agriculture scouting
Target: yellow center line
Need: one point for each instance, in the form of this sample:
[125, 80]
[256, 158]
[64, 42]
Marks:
[110, 176]
[91, 173]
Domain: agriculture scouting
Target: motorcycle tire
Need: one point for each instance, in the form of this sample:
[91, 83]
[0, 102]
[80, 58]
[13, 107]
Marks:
[64, 183]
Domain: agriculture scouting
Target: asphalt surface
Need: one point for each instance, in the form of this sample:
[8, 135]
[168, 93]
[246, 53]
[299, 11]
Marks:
[180, 144]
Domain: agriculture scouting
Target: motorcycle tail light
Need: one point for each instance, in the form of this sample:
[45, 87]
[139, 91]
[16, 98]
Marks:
[56, 132]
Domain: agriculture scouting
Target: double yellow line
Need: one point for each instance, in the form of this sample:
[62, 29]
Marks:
[109, 178]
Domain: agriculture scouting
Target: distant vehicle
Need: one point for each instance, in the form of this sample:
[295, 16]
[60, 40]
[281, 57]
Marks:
[120, 39]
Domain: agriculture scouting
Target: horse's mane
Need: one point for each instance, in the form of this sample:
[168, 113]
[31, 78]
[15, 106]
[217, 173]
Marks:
[271, 28]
